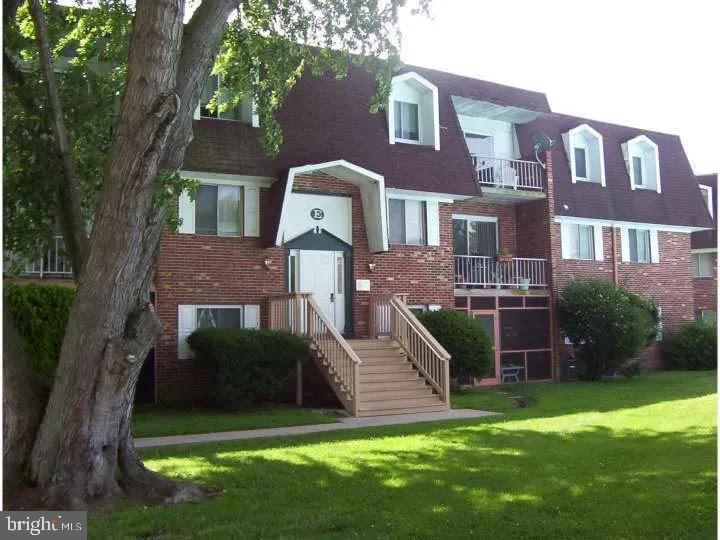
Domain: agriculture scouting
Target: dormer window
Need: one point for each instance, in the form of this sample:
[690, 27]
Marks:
[222, 109]
[407, 121]
[643, 163]
[413, 113]
[584, 147]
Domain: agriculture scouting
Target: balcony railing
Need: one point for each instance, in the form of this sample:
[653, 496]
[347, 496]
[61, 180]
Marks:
[479, 271]
[52, 262]
[509, 173]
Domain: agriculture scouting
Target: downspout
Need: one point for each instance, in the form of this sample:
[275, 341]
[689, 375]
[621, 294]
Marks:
[614, 254]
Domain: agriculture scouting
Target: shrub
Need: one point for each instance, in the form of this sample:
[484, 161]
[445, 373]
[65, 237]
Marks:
[608, 324]
[41, 314]
[252, 366]
[464, 338]
[692, 346]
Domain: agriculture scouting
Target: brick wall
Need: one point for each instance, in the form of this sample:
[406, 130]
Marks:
[705, 290]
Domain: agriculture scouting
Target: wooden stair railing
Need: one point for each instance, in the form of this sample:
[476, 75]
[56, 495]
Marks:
[299, 314]
[390, 316]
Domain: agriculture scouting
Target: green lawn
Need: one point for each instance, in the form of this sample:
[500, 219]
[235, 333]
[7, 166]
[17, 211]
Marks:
[619, 459]
[155, 421]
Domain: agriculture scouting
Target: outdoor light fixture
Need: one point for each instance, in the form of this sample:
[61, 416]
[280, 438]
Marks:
[267, 263]
[371, 266]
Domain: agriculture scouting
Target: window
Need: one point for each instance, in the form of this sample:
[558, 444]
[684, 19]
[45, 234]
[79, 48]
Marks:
[218, 210]
[702, 265]
[584, 149]
[407, 222]
[643, 164]
[580, 163]
[215, 103]
[709, 315]
[475, 237]
[216, 317]
[418, 309]
[192, 317]
[639, 245]
[407, 121]
[581, 241]
[707, 197]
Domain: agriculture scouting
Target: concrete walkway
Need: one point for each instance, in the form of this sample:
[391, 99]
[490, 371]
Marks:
[344, 423]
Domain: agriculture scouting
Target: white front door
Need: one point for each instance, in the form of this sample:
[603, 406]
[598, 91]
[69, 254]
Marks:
[323, 274]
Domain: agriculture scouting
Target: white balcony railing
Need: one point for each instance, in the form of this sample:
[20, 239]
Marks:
[509, 173]
[479, 271]
[53, 261]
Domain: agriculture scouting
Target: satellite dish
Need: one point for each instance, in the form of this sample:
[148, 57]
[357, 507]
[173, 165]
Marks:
[541, 142]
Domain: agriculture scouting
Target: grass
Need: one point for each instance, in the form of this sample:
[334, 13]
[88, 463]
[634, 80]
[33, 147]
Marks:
[618, 459]
[160, 421]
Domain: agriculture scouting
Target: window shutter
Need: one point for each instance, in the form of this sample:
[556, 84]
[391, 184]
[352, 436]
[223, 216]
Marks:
[251, 214]
[625, 244]
[186, 212]
[598, 238]
[433, 223]
[186, 326]
[251, 317]
[654, 247]
[566, 240]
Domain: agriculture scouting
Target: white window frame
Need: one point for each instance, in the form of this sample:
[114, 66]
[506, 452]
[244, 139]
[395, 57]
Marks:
[425, 224]
[250, 313]
[696, 256]
[254, 119]
[575, 138]
[625, 244]
[707, 194]
[241, 216]
[567, 234]
[701, 315]
[482, 219]
[419, 84]
[419, 120]
[629, 151]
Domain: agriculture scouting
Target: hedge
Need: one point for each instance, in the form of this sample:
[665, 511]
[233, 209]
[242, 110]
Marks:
[693, 346]
[41, 314]
[251, 366]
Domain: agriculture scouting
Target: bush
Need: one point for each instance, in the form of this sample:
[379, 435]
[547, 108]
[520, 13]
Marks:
[252, 366]
[608, 324]
[41, 314]
[464, 338]
[693, 346]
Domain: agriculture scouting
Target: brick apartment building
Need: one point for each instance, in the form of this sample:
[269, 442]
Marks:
[452, 197]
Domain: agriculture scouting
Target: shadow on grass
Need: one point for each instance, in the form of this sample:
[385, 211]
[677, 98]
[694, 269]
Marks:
[444, 483]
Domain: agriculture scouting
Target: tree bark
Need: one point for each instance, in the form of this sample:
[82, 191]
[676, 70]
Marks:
[84, 451]
[69, 211]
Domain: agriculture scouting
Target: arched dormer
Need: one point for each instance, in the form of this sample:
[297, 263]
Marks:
[584, 148]
[642, 160]
[413, 113]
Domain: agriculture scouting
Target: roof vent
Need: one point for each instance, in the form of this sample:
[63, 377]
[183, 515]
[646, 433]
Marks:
[541, 142]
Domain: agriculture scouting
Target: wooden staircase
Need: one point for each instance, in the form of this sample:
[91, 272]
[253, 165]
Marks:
[389, 383]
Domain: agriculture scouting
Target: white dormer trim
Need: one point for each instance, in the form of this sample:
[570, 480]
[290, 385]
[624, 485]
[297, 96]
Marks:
[707, 198]
[427, 137]
[573, 139]
[628, 150]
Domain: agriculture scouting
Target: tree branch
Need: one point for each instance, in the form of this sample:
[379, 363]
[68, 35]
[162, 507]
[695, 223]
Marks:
[69, 211]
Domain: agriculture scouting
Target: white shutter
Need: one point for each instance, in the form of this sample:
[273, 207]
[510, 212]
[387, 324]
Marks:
[251, 317]
[186, 326]
[566, 240]
[186, 212]
[432, 209]
[625, 244]
[598, 239]
[654, 247]
[251, 211]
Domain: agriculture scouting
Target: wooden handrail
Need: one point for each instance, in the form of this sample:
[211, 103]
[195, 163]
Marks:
[423, 350]
[300, 314]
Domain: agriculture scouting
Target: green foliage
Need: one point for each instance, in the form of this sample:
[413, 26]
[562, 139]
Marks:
[464, 338]
[251, 366]
[692, 346]
[608, 324]
[40, 313]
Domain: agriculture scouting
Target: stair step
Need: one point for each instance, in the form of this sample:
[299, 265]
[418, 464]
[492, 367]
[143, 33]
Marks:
[396, 367]
[410, 375]
[372, 343]
[395, 393]
[439, 407]
[373, 353]
[380, 360]
[404, 403]
[380, 386]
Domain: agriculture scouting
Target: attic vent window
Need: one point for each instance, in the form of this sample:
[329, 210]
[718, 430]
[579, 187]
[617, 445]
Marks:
[643, 163]
[413, 111]
[584, 148]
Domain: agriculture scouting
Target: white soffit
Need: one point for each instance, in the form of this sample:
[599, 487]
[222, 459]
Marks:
[486, 109]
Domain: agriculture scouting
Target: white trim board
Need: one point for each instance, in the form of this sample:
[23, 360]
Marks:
[486, 219]
[409, 194]
[703, 250]
[629, 224]
[228, 179]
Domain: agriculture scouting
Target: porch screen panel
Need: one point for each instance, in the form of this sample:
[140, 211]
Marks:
[522, 329]
[539, 365]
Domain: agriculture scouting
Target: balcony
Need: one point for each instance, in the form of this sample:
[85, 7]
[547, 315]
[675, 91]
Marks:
[51, 263]
[474, 271]
[509, 180]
